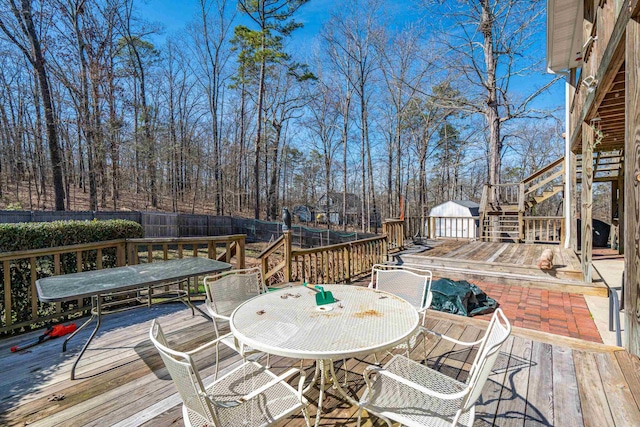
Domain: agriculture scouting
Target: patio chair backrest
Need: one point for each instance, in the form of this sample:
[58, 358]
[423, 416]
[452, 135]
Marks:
[225, 291]
[409, 283]
[186, 378]
[497, 333]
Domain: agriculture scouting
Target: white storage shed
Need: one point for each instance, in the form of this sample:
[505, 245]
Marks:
[456, 219]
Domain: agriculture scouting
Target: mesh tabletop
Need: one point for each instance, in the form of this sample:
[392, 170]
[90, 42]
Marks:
[361, 322]
[98, 282]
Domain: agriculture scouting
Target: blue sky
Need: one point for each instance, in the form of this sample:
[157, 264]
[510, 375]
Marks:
[175, 15]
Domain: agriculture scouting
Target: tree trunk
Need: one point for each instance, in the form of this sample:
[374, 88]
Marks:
[372, 190]
[345, 132]
[272, 200]
[25, 18]
[491, 111]
[256, 166]
[85, 113]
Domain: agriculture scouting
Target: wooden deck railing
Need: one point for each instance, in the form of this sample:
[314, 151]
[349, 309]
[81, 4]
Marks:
[394, 230]
[20, 270]
[544, 229]
[338, 263]
[326, 264]
[272, 259]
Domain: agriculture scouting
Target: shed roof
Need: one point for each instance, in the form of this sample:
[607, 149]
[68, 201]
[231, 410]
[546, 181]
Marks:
[455, 208]
[466, 203]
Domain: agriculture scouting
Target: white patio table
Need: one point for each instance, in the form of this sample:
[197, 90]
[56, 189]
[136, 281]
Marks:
[288, 323]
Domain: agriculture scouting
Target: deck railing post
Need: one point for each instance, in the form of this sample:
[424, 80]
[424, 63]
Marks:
[287, 255]
[240, 254]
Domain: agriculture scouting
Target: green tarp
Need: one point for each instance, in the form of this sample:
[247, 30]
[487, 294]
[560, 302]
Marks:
[461, 298]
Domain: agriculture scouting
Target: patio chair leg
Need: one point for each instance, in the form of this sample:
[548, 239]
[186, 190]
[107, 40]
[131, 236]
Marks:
[375, 360]
[346, 371]
[359, 416]
[305, 413]
[215, 375]
[268, 361]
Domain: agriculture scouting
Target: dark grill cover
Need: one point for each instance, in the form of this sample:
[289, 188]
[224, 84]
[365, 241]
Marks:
[461, 298]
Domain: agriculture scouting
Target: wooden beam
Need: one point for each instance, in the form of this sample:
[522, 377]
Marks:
[621, 237]
[614, 199]
[632, 189]
[587, 202]
[573, 233]
[634, 6]
[611, 62]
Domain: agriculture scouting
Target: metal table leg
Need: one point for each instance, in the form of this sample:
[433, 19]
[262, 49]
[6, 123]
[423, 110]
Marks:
[96, 313]
[336, 385]
[327, 372]
[323, 373]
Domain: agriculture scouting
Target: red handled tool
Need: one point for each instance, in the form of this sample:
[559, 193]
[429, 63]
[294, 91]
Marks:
[51, 332]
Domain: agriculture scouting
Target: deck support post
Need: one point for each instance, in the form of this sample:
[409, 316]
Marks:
[587, 202]
[632, 187]
[288, 237]
[569, 201]
[621, 187]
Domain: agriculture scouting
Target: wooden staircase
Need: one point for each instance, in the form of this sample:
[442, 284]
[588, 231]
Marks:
[504, 208]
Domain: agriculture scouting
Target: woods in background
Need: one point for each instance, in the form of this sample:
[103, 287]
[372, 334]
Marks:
[234, 115]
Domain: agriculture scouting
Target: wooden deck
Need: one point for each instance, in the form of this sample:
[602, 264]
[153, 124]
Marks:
[506, 263]
[539, 379]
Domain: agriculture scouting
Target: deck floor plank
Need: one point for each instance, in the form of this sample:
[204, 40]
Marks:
[616, 390]
[126, 367]
[539, 408]
[508, 255]
[463, 251]
[630, 366]
[540, 379]
[567, 410]
[511, 408]
[596, 408]
[487, 407]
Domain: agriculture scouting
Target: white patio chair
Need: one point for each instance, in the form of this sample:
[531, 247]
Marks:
[225, 291]
[411, 283]
[413, 394]
[250, 394]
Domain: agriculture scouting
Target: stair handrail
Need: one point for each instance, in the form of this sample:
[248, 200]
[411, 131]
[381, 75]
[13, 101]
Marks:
[545, 181]
[266, 253]
[543, 170]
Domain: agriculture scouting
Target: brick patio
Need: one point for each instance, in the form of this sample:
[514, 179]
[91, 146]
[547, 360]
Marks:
[559, 313]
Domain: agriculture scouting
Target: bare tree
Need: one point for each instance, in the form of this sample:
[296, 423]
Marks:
[404, 68]
[487, 50]
[140, 54]
[324, 125]
[213, 51]
[285, 100]
[350, 36]
[19, 28]
[274, 20]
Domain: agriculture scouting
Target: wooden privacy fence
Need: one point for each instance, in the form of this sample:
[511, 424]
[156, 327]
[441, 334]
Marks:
[20, 305]
[168, 224]
[327, 264]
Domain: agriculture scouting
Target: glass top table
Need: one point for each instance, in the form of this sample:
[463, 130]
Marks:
[100, 283]
[288, 323]
[97, 282]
